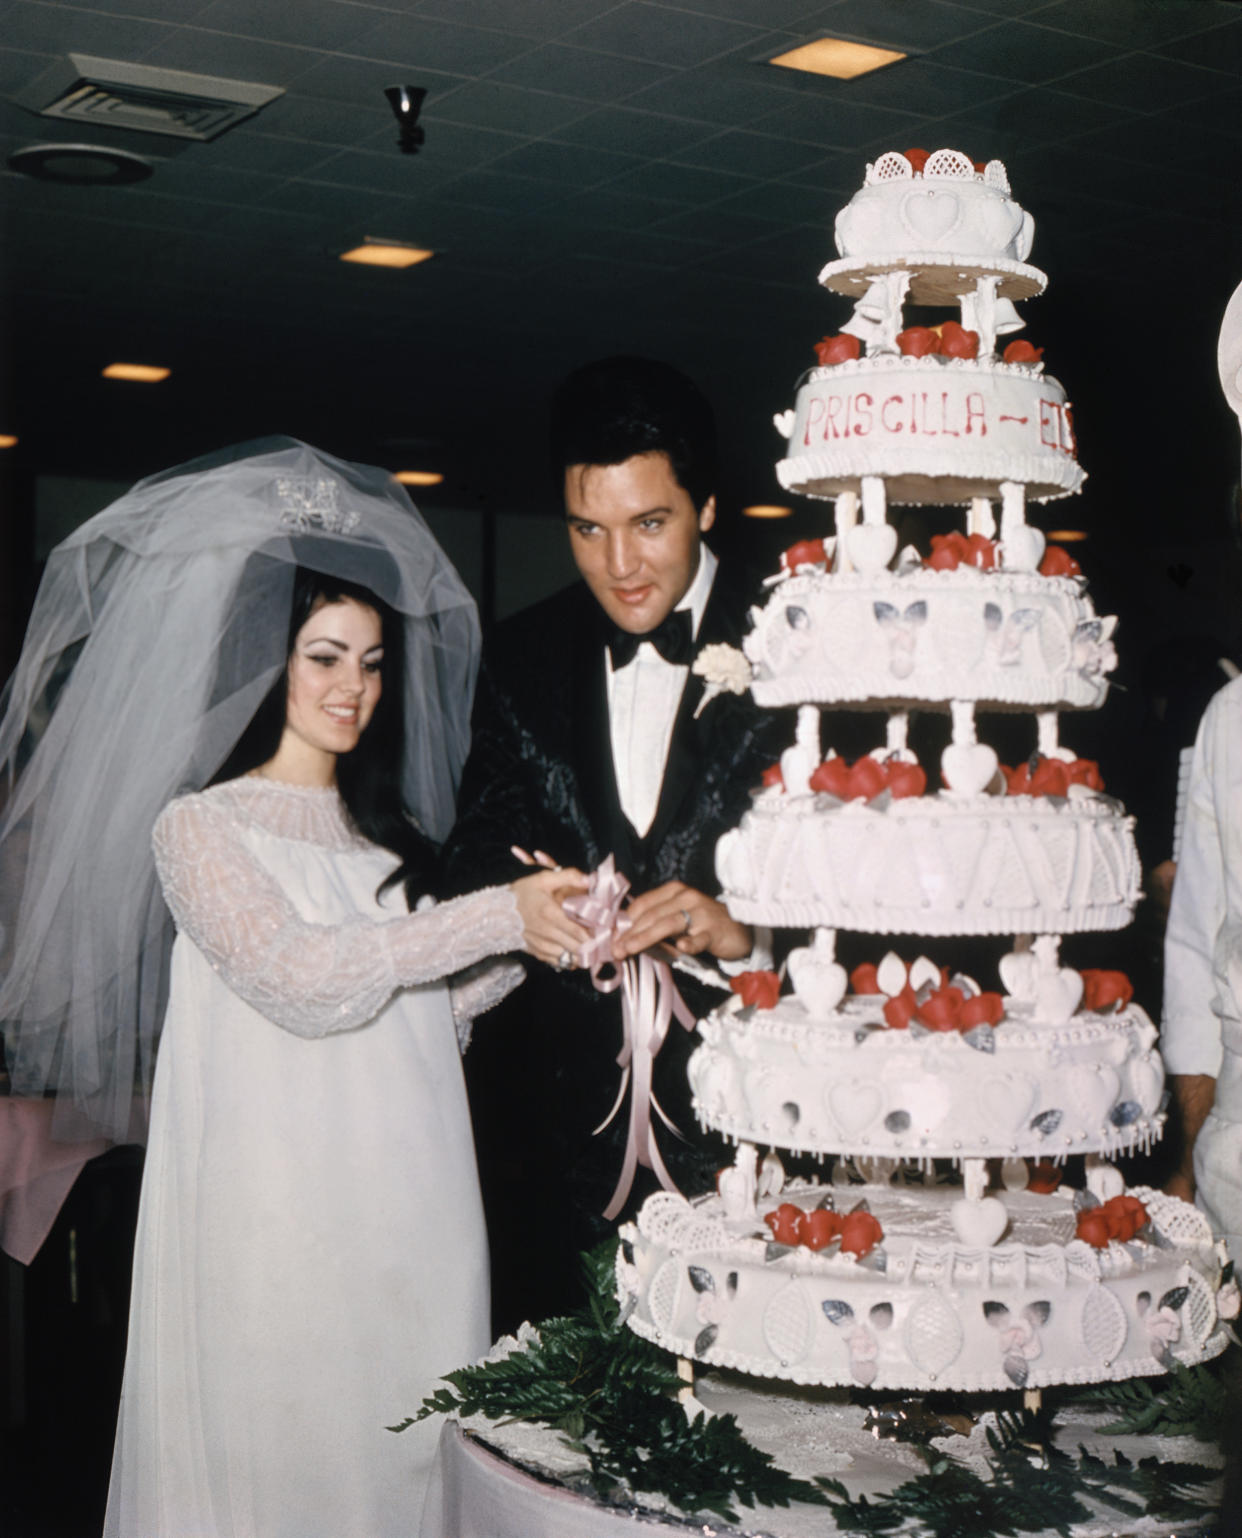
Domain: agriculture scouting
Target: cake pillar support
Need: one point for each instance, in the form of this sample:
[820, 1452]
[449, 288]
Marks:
[845, 519]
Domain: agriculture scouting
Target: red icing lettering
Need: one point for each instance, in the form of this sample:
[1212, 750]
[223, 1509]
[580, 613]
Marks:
[1072, 444]
[949, 432]
[928, 430]
[976, 411]
[1050, 424]
[862, 414]
[834, 405]
[815, 415]
[886, 421]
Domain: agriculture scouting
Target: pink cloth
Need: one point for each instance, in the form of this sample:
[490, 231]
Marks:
[36, 1174]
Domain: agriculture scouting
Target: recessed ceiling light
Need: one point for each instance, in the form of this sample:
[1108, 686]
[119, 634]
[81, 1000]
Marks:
[141, 373]
[419, 477]
[834, 56]
[386, 253]
[80, 165]
[1068, 536]
[767, 510]
[8, 441]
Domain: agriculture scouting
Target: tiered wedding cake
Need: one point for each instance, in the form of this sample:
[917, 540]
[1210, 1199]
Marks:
[905, 1282]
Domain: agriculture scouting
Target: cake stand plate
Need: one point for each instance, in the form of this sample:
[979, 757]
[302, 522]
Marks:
[522, 1481]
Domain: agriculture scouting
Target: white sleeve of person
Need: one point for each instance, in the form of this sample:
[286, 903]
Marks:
[311, 979]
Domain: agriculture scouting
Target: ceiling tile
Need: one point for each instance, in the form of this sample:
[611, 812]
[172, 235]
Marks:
[1008, 7]
[1023, 121]
[749, 154]
[362, 80]
[1016, 50]
[614, 209]
[489, 189]
[17, 69]
[654, 247]
[312, 23]
[1136, 23]
[175, 11]
[768, 13]
[59, 29]
[247, 150]
[450, 147]
[898, 24]
[678, 184]
[733, 97]
[662, 35]
[544, 20]
[782, 203]
[488, 104]
[411, 41]
[1219, 49]
[641, 133]
[837, 122]
[236, 58]
[397, 175]
[297, 116]
[924, 84]
[714, 227]
[571, 166]
[579, 72]
[1143, 79]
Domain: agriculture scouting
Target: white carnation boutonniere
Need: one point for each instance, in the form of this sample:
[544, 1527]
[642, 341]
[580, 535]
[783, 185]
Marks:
[726, 670]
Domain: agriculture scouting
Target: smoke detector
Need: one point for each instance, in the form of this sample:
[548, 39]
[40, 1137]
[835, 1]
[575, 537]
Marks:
[109, 93]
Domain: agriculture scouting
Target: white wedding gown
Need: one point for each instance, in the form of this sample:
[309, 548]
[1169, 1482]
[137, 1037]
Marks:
[311, 1254]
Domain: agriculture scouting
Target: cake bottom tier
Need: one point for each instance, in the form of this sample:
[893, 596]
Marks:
[924, 1311]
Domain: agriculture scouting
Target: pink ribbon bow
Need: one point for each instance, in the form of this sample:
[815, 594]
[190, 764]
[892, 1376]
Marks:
[649, 1002]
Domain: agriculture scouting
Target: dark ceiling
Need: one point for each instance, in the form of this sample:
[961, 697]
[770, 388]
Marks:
[607, 175]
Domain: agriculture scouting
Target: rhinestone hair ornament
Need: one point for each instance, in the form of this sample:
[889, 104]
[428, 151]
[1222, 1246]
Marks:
[159, 627]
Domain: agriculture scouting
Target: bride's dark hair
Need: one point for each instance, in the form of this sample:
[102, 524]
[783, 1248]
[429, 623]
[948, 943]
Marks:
[369, 778]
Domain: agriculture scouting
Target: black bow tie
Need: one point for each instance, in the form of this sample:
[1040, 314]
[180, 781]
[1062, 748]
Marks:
[673, 638]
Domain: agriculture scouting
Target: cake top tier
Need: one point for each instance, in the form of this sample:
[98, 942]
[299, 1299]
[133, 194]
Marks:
[944, 217]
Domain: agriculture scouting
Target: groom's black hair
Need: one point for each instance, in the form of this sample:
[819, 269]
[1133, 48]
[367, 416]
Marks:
[610, 410]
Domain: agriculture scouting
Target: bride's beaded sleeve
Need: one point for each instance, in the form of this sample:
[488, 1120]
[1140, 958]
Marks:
[312, 979]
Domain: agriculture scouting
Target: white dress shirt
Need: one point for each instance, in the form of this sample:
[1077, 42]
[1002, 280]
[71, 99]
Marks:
[1201, 1032]
[643, 698]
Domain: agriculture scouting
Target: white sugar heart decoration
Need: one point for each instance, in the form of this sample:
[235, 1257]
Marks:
[931, 215]
[819, 984]
[891, 974]
[1095, 1094]
[923, 972]
[855, 1104]
[1058, 994]
[979, 1224]
[783, 421]
[871, 546]
[1022, 548]
[968, 767]
[1018, 972]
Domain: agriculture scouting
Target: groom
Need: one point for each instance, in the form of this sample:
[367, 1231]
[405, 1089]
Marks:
[589, 740]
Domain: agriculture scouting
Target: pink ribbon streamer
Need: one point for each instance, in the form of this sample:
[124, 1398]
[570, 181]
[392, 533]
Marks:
[649, 1003]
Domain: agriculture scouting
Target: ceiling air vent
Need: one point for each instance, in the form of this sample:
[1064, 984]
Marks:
[107, 93]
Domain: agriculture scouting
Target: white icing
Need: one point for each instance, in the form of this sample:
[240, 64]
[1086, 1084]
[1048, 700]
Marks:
[937, 429]
[932, 865]
[1011, 638]
[925, 1310]
[841, 1082]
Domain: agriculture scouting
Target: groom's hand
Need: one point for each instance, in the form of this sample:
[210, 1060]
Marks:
[690, 921]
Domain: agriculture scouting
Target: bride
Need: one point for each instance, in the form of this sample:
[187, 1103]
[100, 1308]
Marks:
[310, 1253]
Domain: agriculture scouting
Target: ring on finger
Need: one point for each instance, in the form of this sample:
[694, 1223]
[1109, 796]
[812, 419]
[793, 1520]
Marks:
[687, 921]
[564, 961]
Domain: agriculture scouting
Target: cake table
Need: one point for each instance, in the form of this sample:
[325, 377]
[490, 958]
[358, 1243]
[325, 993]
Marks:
[520, 1480]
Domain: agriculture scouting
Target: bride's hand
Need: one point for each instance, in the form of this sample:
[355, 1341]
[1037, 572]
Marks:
[550, 933]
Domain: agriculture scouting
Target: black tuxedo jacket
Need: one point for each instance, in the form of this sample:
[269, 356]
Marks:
[540, 771]
[542, 1070]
